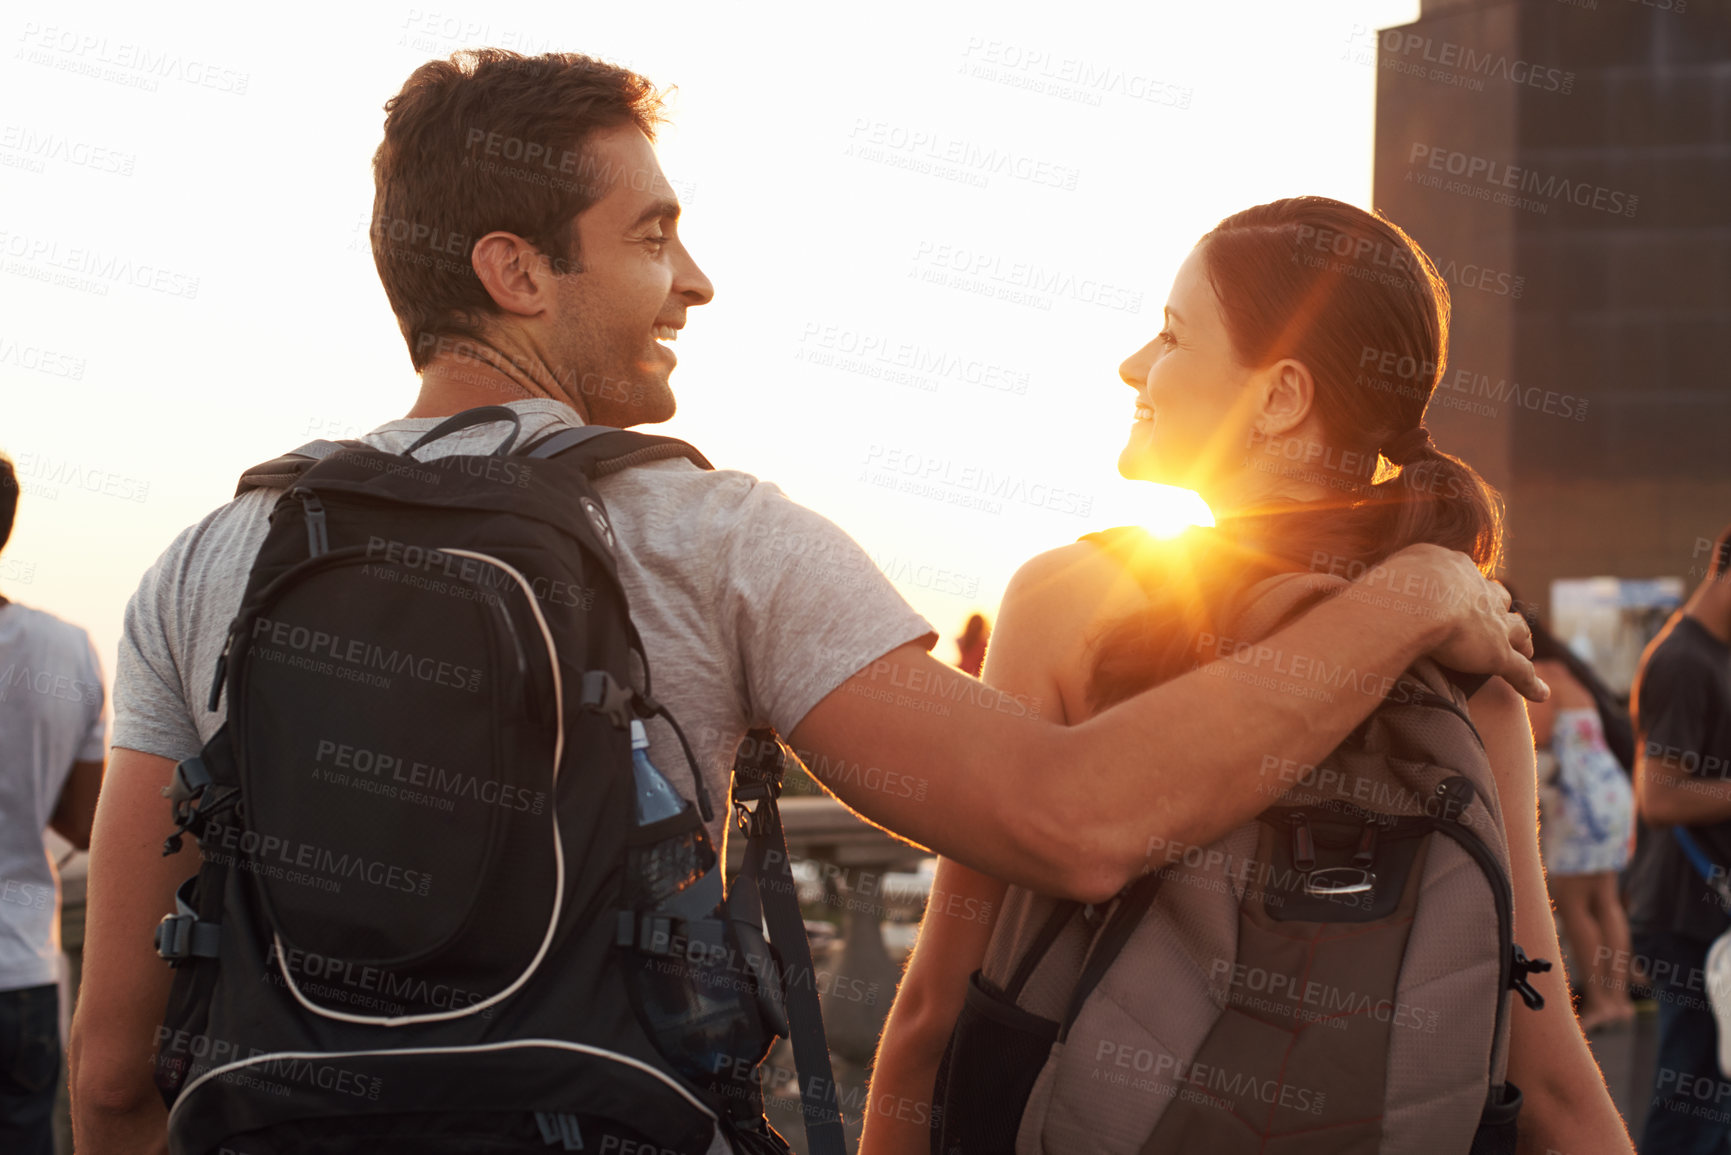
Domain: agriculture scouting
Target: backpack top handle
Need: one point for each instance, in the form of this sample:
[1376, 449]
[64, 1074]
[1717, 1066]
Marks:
[481, 415]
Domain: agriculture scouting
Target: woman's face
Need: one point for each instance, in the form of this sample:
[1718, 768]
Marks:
[1194, 411]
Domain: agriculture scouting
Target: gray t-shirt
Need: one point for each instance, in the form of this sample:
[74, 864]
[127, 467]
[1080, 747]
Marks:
[52, 713]
[752, 608]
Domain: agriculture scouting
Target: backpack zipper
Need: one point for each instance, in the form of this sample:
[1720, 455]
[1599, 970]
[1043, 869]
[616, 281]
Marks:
[318, 540]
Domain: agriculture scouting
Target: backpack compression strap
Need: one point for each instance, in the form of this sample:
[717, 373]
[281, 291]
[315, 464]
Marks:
[757, 774]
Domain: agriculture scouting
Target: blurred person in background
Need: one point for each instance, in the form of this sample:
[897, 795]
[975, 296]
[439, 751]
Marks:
[971, 646]
[1586, 819]
[1682, 707]
[53, 737]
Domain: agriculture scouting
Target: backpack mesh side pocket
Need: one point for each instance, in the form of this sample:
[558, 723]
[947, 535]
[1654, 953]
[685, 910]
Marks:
[988, 1071]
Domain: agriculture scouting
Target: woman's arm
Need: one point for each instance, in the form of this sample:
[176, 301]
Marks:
[1042, 628]
[1566, 1105]
[959, 919]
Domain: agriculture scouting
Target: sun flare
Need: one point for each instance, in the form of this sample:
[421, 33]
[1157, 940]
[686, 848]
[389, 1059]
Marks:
[1170, 511]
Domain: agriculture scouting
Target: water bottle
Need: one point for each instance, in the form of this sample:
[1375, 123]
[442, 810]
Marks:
[693, 1001]
[661, 869]
[656, 798]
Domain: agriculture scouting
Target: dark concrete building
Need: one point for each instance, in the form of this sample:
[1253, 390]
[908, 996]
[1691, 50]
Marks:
[1567, 163]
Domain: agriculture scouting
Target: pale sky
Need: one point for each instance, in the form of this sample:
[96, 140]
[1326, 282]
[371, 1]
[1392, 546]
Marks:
[934, 231]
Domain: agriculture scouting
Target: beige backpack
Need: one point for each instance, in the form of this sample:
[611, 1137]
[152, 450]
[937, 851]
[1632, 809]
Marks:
[1333, 977]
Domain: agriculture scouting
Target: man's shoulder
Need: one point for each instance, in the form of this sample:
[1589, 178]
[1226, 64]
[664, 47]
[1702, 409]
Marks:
[1682, 649]
[48, 629]
[219, 547]
[703, 503]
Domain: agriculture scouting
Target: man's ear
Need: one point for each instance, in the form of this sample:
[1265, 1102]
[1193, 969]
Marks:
[1287, 392]
[516, 274]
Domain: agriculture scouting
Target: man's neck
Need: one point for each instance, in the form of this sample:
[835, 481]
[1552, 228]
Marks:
[451, 383]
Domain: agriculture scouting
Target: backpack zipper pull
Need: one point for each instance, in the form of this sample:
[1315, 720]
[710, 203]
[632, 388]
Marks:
[221, 671]
[1303, 845]
[318, 543]
[1365, 855]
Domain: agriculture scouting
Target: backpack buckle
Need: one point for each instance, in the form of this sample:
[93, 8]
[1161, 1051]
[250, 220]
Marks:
[749, 811]
[758, 767]
[604, 695]
[1520, 967]
[184, 935]
[185, 792]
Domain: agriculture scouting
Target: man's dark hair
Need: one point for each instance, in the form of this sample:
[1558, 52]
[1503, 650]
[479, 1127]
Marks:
[8, 499]
[489, 140]
[1720, 564]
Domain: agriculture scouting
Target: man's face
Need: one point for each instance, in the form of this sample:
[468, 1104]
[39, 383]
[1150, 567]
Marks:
[609, 344]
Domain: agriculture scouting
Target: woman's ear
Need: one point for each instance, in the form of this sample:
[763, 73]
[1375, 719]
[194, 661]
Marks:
[1286, 392]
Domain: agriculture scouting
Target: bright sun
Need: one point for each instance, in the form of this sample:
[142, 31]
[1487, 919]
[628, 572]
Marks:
[1169, 511]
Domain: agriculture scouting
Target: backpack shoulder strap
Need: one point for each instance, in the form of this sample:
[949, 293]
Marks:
[764, 892]
[282, 472]
[1277, 601]
[601, 449]
[1274, 603]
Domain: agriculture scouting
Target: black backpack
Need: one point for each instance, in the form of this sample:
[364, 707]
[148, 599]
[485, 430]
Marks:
[427, 921]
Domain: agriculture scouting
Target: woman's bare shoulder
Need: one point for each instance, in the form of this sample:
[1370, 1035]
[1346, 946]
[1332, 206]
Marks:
[1079, 580]
[1056, 606]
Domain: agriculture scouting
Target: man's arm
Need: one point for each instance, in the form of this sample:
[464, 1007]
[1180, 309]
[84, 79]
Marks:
[1668, 795]
[115, 1106]
[76, 809]
[970, 772]
[1671, 713]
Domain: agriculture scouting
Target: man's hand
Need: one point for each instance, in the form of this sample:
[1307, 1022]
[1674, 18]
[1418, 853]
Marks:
[1482, 634]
